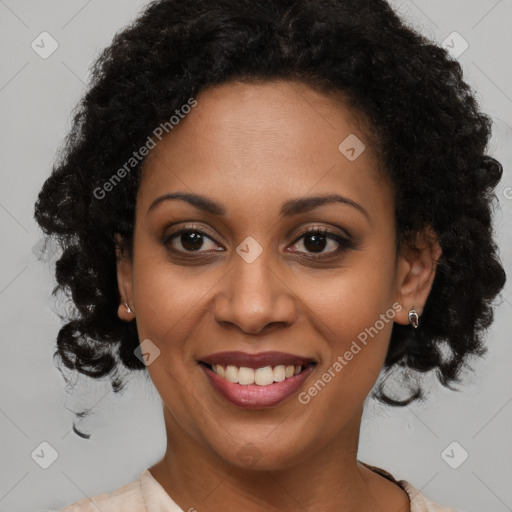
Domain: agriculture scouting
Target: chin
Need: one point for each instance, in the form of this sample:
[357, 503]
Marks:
[268, 455]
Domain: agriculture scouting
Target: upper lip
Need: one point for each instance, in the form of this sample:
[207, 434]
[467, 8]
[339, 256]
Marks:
[259, 360]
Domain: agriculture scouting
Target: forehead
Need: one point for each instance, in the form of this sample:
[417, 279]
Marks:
[262, 141]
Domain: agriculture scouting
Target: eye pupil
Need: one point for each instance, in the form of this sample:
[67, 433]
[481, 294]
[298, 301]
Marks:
[318, 242]
[191, 240]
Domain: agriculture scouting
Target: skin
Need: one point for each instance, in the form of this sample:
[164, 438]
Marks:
[251, 147]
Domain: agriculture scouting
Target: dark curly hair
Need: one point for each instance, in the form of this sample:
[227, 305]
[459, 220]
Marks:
[432, 142]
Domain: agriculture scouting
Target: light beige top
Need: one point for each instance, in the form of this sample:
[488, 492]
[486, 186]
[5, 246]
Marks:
[147, 495]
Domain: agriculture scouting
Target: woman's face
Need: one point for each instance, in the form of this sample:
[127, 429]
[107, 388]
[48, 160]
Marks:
[246, 277]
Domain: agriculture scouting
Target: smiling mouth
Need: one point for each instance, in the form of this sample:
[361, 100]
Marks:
[255, 381]
[263, 376]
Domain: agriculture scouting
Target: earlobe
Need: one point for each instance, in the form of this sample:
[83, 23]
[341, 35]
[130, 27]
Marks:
[126, 309]
[124, 312]
[417, 270]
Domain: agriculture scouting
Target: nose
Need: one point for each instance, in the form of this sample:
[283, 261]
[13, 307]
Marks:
[254, 297]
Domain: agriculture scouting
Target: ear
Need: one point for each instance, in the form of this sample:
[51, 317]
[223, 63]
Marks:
[124, 280]
[416, 270]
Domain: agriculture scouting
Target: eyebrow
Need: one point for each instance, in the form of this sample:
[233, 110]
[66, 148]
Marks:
[289, 208]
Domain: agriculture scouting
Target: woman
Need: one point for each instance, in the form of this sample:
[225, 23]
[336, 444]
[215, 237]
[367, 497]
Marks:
[265, 204]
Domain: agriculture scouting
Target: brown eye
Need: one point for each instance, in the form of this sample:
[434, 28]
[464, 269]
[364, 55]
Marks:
[316, 240]
[189, 240]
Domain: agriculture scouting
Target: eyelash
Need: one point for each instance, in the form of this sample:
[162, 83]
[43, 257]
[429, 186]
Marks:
[344, 243]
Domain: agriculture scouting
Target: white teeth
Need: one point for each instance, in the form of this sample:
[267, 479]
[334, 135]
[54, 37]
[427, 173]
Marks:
[246, 376]
[264, 376]
[231, 374]
[279, 373]
[261, 376]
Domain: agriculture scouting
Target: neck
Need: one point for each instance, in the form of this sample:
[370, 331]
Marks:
[330, 478]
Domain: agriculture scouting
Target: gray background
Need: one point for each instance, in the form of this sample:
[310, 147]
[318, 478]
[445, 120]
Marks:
[36, 99]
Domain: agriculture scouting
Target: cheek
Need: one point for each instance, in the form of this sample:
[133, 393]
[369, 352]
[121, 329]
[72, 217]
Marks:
[354, 314]
[169, 303]
[353, 299]
[168, 297]
[357, 325]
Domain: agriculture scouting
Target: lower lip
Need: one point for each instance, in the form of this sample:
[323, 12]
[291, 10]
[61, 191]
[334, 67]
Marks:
[254, 396]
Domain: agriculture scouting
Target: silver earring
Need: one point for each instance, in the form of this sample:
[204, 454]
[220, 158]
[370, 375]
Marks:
[127, 307]
[414, 318]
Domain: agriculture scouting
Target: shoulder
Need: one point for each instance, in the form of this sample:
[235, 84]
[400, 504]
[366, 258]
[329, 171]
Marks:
[127, 498]
[420, 503]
